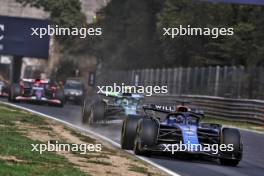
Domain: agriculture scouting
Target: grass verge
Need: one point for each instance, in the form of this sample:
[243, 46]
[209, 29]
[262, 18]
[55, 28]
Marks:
[20, 129]
[16, 157]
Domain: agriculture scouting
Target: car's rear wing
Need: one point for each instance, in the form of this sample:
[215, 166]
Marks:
[159, 108]
[120, 95]
[170, 109]
[42, 81]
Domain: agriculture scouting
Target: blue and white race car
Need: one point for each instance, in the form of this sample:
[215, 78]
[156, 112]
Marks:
[180, 132]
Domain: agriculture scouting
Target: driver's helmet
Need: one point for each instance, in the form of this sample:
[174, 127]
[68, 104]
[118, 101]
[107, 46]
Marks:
[61, 85]
[37, 83]
[125, 101]
[181, 108]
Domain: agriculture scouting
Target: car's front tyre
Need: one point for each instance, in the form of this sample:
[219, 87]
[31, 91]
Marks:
[231, 136]
[128, 132]
[97, 112]
[147, 134]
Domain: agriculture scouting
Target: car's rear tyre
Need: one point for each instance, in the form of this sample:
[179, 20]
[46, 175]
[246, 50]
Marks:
[87, 106]
[147, 134]
[129, 131]
[14, 91]
[231, 136]
[97, 112]
[86, 110]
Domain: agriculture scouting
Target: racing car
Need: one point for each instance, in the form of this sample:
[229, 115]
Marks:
[36, 91]
[109, 106]
[160, 130]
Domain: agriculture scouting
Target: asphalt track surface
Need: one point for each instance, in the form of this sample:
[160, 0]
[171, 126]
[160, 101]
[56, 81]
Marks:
[252, 163]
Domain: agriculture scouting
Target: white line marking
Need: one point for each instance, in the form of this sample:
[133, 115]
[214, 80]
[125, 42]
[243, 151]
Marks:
[168, 171]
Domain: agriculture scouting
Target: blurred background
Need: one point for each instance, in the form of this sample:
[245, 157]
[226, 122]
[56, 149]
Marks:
[132, 44]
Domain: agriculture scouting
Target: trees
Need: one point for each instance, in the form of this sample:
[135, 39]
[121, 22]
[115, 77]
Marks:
[243, 48]
[129, 38]
[64, 13]
[133, 34]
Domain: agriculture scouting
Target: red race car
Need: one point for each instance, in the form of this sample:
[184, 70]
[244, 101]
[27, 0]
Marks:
[36, 91]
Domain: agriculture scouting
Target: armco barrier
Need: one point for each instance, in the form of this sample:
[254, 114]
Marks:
[245, 110]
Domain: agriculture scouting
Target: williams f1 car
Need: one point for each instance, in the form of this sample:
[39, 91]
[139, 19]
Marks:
[36, 91]
[160, 130]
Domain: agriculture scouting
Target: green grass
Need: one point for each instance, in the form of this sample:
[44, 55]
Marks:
[243, 125]
[139, 169]
[100, 162]
[9, 116]
[80, 136]
[14, 143]
[96, 156]
[32, 170]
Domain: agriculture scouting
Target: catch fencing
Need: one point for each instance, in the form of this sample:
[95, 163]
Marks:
[222, 92]
[231, 82]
